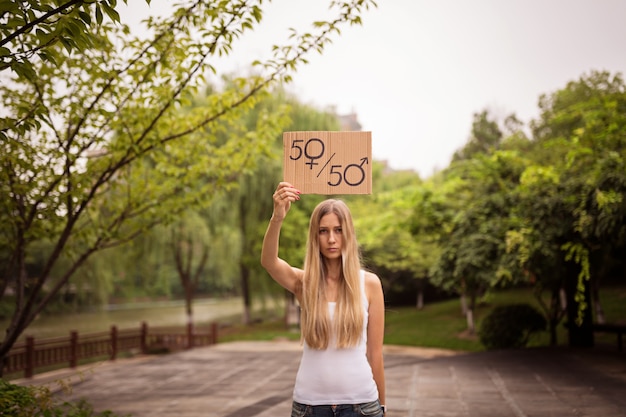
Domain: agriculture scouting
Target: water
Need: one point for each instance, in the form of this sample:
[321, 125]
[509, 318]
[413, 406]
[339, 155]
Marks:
[130, 316]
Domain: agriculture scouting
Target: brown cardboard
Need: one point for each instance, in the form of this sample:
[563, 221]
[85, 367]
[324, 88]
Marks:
[328, 163]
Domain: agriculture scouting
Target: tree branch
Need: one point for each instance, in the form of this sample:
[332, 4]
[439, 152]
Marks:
[27, 27]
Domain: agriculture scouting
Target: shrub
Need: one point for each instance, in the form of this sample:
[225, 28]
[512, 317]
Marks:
[510, 326]
[35, 401]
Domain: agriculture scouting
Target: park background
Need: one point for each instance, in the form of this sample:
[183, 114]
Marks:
[148, 180]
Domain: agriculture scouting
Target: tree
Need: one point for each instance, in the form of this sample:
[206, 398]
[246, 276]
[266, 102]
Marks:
[190, 246]
[32, 30]
[473, 251]
[94, 152]
[535, 240]
[572, 206]
[384, 222]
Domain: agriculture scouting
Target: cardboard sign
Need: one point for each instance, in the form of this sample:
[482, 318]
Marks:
[328, 162]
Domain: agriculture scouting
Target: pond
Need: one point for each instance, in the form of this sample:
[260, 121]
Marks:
[130, 316]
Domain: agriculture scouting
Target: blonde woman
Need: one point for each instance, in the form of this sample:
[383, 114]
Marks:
[341, 373]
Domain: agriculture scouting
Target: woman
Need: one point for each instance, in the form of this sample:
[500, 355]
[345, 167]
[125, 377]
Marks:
[341, 373]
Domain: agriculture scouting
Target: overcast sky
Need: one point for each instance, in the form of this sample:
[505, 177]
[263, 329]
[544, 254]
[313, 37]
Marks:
[416, 71]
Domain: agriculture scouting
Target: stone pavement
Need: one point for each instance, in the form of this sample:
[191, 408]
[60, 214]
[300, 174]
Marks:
[255, 379]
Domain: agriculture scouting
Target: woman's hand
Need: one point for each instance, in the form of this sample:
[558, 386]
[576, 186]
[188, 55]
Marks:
[284, 195]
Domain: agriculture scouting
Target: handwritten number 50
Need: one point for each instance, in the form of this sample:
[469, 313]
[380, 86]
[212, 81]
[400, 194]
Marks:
[307, 152]
[335, 170]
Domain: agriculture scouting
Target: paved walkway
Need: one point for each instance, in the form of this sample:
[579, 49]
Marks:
[255, 379]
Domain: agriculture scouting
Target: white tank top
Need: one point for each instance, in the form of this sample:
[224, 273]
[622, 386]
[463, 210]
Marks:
[337, 376]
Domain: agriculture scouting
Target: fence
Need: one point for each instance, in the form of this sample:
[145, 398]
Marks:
[31, 354]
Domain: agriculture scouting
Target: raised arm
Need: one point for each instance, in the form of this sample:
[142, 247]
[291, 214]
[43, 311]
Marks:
[279, 270]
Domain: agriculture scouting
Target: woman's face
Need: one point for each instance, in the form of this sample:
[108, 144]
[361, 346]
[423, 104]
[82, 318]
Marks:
[330, 236]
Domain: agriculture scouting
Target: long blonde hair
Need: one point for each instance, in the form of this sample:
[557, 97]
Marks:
[347, 324]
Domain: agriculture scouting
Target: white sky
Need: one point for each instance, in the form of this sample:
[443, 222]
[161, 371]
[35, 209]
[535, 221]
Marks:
[416, 71]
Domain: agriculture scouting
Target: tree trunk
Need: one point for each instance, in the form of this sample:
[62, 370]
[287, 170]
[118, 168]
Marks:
[420, 294]
[469, 315]
[420, 299]
[463, 305]
[292, 316]
[189, 306]
[20, 317]
[245, 293]
[553, 322]
[600, 319]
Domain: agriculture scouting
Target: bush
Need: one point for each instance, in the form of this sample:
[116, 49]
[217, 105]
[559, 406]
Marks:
[510, 326]
[34, 401]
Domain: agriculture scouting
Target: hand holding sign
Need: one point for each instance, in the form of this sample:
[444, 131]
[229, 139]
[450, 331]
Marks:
[328, 162]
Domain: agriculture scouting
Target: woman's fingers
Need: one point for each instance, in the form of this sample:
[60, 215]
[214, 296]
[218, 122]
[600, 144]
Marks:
[286, 192]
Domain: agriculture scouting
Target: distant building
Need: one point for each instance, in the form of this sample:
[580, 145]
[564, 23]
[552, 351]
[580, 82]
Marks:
[349, 122]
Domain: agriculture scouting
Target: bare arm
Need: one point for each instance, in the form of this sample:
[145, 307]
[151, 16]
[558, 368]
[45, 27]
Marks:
[376, 331]
[279, 270]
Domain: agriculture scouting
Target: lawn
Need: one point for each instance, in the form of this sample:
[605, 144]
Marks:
[440, 324]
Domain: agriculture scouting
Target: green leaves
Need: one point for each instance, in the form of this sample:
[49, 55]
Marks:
[105, 134]
[33, 27]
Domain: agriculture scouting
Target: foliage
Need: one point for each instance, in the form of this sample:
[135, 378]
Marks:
[485, 139]
[32, 30]
[510, 326]
[384, 235]
[452, 210]
[571, 216]
[473, 253]
[35, 401]
[100, 146]
[547, 210]
[389, 248]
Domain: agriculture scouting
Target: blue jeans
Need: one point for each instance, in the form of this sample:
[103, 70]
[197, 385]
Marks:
[371, 409]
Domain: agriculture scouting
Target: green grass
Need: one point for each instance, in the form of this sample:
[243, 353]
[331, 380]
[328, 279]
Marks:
[438, 325]
[441, 324]
[269, 329]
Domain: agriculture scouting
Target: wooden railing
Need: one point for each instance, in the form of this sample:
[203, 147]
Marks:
[32, 354]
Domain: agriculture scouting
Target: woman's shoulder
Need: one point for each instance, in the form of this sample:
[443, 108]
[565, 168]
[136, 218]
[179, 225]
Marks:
[373, 286]
[371, 280]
